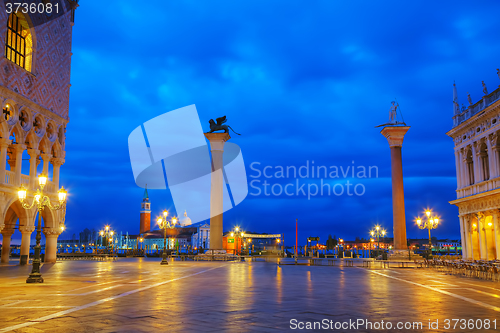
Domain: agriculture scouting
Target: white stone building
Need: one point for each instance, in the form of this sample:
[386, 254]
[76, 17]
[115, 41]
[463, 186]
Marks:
[476, 134]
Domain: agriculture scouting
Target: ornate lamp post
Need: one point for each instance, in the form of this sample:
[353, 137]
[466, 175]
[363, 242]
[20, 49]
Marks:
[40, 201]
[377, 233]
[164, 224]
[431, 223]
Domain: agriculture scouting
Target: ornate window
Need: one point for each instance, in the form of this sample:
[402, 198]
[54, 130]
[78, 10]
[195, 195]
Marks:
[19, 42]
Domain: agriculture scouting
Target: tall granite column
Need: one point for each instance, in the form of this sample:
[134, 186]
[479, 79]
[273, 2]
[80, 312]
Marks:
[395, 136]
[217, 141]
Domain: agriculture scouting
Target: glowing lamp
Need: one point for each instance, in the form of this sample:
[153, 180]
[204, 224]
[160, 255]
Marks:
[62, 194]
[21, 193]
[174, 220]
[428, 213]
[107, 227]
[165, 213]
[159, 220]
[42, 180]
[112, 232]
[102, 233]
[232, 234]
[419, 221]
[62, 228]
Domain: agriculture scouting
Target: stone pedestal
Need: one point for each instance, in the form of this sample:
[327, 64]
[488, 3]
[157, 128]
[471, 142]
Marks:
[217, 141]
[395, 136]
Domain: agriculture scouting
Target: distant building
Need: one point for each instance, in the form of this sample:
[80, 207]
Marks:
[476, 134]
[234, 243]
[145, 217]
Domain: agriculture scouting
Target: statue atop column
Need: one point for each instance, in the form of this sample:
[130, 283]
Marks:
[498, 72]
[393, 112]
[485, 90]
[219, 125]
[469, 99]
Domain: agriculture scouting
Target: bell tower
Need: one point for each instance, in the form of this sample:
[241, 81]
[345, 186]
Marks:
[145, 213]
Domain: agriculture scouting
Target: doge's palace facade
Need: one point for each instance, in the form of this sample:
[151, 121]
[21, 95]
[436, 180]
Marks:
[34, 93]
[476, 133]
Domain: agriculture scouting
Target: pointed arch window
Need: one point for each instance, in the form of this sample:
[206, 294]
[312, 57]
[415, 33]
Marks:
[19, 41]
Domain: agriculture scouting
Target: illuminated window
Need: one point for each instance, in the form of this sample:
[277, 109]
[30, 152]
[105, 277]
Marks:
[19, 42]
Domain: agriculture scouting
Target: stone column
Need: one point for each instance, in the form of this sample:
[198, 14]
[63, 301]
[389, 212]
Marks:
[4, 144]
[395, 136]
[51, 235]
[7, 234]
[56, 165]
[483, 253]
[463, 169]
[18, 151]
[476, 162]
[463, 236]
[25, 244]
[459, 167]
[217, 141]
[46, 159]
[496, 230]
[33, 164]
[491, 159]
[492, 155]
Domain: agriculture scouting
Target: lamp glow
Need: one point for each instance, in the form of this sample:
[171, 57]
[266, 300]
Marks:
[62, 194]
[22, 193]
[165, 213]
[42, 180]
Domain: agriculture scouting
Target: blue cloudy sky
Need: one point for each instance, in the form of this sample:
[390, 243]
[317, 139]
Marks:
[302, 81]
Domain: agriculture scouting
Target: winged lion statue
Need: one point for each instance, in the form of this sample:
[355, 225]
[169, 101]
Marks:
[219, 125]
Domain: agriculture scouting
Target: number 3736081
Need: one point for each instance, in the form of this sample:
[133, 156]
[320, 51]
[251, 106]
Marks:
[32, 8]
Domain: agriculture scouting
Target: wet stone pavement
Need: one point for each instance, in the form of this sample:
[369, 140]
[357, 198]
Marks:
[140, 295]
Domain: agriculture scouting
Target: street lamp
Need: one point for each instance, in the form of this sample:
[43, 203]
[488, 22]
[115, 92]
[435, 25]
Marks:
[164, 224]
[431, 223]
[41, 201]
[377, 233]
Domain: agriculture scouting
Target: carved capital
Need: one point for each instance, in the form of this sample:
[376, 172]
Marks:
[18, 148]
[33, 153]
[7, 232]
[5, 143]
[46, 157]
[51, 232]
[57, 161]
[27, 229]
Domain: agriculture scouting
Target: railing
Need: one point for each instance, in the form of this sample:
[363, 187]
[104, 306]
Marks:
[10, 179]
[477, 188]
[477, 107]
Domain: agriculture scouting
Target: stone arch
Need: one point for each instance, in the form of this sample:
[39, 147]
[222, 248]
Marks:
[39, 124]
[45, 145]
[13, 211]
[32, 140]
[61, 136]
[12, 107]
[17, 133]
[57, 150]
